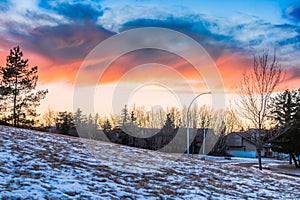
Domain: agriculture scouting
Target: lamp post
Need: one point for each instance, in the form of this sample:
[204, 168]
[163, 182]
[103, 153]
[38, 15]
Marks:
[204, 142]
[188, 123]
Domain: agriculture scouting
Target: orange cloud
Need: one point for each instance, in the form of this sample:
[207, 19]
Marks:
[125, 63]
[230, 65]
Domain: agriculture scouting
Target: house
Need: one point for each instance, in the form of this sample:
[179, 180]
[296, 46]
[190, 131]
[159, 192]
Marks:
[243, 144]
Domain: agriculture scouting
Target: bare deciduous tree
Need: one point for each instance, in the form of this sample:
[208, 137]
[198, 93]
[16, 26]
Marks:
[255, 92]
[232, 120]
[205, 116]
[48, 118]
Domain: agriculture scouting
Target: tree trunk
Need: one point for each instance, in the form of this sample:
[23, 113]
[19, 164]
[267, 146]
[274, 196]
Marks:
[290, 158]
[15, 103]
[259, 158]
[259, 147]
[295, 161]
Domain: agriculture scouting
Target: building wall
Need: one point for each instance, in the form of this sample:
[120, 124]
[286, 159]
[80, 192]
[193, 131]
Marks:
[249, 146]
[239, 146]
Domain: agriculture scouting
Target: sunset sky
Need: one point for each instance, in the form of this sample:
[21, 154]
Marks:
[57, 36]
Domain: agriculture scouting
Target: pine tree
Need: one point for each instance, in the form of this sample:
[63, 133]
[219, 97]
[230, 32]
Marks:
[106, 126]
[132, 117]
[125, 116]
[78, 117]
[90, 119]
[284, 107]
[18, 83]
[169, 124]
[286, 112]
[97, 119]
[65, 122]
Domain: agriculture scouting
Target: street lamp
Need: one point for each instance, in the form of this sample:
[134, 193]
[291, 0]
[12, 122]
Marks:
[204, 142]
[188, 123]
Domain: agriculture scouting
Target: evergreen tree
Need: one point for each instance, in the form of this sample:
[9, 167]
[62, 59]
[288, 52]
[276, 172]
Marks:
[64, 123]
[174, 115]
[170, 125]
[91, 119]
[18, 82]
[284, 107]
[97, 119]
[289, 142]
[132, 117]
[78, 117]
[106, 126]
[125, 116]
[91, 127]
[286, 112]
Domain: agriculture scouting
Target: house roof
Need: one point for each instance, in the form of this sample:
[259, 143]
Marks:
[247, 135]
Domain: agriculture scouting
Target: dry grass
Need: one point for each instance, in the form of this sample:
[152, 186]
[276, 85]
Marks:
[49, 161]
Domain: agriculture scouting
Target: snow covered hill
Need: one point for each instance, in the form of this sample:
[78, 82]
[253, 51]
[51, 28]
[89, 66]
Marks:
[40, 165]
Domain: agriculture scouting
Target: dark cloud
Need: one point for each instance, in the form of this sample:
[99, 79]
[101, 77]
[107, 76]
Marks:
[285, 26]
[4, 5]
[294, 41]
[186, 25]
[64, 43]
[79, 11]
[41, 16]
[75, 11]
[199, 30]
[46, 4]
[61, 43]
[293, 12]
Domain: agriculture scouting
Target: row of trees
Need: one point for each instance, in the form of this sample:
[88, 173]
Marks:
[203, 117]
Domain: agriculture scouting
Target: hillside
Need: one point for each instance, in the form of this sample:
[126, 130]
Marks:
[41, 165]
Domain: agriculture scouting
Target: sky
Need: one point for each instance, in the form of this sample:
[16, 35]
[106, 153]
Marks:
[58, 36]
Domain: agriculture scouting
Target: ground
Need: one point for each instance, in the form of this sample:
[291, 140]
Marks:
[40, 165]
